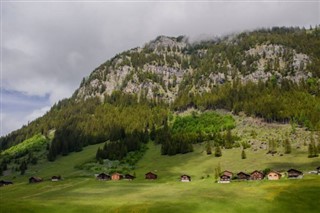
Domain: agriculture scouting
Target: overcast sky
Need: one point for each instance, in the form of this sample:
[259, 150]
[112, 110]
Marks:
[48, 47]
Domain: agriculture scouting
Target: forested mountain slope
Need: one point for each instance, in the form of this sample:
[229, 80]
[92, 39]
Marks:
[269, 73]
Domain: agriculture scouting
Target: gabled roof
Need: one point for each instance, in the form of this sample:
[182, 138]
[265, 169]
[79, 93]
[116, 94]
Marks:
[243, 173]
[294, 170]
[127, 176]
[226, 171]
[150, 173]
[185, 176]
[272, 171]
[116, 173]
[257, 172]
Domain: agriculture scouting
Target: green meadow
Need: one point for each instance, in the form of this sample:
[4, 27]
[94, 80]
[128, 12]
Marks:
[80, 192]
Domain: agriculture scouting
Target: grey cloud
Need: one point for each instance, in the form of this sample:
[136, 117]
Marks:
[49, 47]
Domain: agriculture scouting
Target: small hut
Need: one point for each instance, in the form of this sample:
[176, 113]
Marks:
[151, 176]
[116, 176]
[128, 177]
[294, 174]
[274, 175]
[55, 178]
[5, 183]
[243, 176]
[185, 178]
[103, 176]
[35, 179]
[256, 175]
[227, 173]
[224, 179]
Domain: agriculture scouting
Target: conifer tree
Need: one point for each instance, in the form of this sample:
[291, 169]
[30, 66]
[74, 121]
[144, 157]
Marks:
[243, 154]
[217, 151]
[208, 148]
[287, 146]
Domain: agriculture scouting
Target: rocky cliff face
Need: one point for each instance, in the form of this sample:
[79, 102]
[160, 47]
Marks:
[167, 65]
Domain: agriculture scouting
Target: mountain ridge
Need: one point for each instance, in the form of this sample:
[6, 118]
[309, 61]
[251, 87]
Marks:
[157, 69]
[269, 73]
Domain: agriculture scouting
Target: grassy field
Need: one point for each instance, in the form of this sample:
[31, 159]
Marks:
[80, 192]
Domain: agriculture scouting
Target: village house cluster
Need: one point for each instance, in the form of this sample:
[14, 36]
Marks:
[225, 177]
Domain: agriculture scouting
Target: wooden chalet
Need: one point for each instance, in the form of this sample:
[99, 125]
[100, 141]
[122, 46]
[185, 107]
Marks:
[294, 174]
[256, 175]
[5, 183]
[55, 178]
[35, 179]
[128, 177]
[227, 173]
[243, 176]
[185, 178]
[103, 176]
[151, 176]
[224, 178]
[274, 175]
[116, 176]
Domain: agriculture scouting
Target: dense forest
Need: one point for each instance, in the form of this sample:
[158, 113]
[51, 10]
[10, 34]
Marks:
[137, 109]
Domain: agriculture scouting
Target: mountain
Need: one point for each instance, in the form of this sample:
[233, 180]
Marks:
[268, 73]
[164, 67]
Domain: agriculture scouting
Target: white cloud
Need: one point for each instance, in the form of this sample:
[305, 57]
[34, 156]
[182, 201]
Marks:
[37, 113]
[49, 47]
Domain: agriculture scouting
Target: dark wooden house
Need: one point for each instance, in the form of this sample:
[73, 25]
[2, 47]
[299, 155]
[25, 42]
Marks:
[128, 177]
[103, 176]
[151, 176]
[274, 175]
[294, 174]
[5, 183]
[224, 179]
[55, 178]
[243, 176]
[116, 176]
[227, 173]
[185, 178]
[35, 179]
[256, 175]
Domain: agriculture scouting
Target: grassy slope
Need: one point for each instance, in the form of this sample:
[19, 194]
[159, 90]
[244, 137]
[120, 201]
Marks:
[80, 192]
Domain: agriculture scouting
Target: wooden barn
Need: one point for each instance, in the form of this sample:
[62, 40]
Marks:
[227, 173]
[185, 178]
[5, 183]
[224, 179]
[151, 176]
[116, 176]
[55, 178]
[128, 177]
[35, 179]
[274, 175]
[103, 176]
[256, 175]
[294, 174]
[243, 176]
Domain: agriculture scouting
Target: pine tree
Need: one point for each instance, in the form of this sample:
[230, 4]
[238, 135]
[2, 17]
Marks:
[23, 167]
[287, 146]
[208, 148]
[217, 171]
[310, 150]
[243, 154]
[217, 151]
